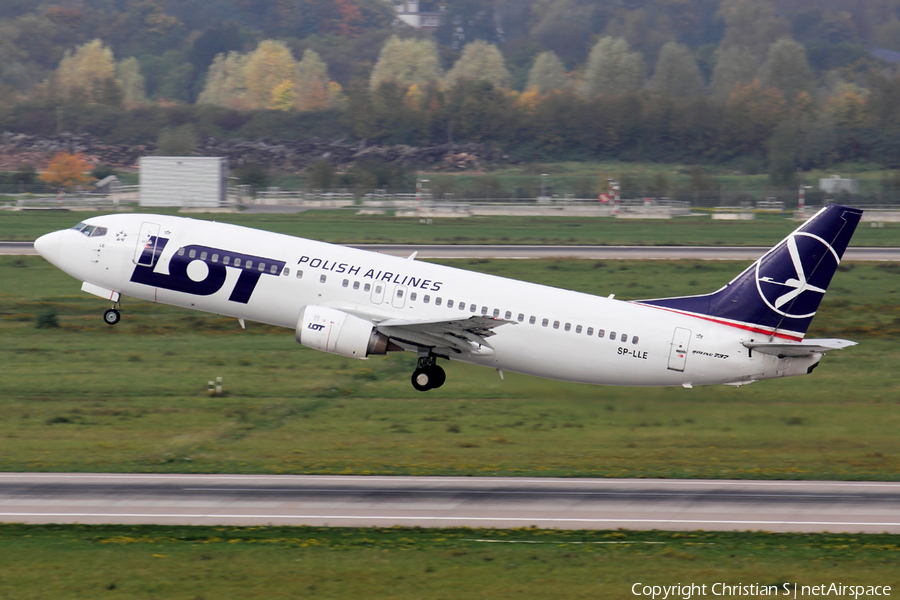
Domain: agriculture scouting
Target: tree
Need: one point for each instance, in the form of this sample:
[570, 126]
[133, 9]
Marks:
[266, 68]
[480, 61]
[786, 68]
[547, 73]
[751, 24]
[225, 82]
[87, 74]
[406, 62]
[612, 69]
[676, 73]
[311, 89]
[735, 66]
[67, 170]
[128, 73]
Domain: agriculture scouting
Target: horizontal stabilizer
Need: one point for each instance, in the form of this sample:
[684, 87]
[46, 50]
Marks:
[804, 348]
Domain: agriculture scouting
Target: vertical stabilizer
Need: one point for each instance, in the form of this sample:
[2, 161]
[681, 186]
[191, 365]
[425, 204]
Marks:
[780, 293]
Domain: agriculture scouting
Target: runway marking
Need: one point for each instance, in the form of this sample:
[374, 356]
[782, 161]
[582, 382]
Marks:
[436, 518]
[438, 490]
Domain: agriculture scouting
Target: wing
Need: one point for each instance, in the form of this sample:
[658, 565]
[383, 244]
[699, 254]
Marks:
[804, 348]
[465, 335]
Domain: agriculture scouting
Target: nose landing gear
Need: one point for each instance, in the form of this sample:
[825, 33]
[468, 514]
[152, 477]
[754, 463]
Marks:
[112, 316]
[428, 375]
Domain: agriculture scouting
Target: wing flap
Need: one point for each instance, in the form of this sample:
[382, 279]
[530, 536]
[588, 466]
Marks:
[462, 335]
[804, 348]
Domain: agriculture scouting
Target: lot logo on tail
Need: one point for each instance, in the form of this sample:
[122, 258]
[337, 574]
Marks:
[787, 280]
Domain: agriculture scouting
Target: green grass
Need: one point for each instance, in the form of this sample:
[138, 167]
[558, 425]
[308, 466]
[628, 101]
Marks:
[294, 562]
[88, 397]
[347, 227]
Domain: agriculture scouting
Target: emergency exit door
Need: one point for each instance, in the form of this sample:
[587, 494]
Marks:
[678, 354]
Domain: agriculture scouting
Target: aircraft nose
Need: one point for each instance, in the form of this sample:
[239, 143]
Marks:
[48, 246]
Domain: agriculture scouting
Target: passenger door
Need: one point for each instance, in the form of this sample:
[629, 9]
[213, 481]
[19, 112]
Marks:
[678, 353]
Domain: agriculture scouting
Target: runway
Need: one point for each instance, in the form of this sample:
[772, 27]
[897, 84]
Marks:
[797, 506]
[433, 251]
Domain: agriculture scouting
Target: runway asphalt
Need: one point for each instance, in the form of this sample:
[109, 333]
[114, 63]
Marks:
[431, 251]
[798, 506]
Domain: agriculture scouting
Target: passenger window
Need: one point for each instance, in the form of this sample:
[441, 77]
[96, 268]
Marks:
[203, 256]
[496, 312]
[192, 254]
[462, 306]
[426, 299]
[356, 286]
[299, 274]
[590, 331]
[555, 324]
[437, 301]
[248, 264]
[377, 288]
[181, 252]
[578, 329]
[225, 260]
[484, 310]
[399, 293]
[624, 337]
[237, 262]
[449, 303]
[322, 279]
[520, 318]
[412, 296]
[274, 269]
[215, 258]
[261, 268]
[545, 322]
[612, 335]
[286, 272]
[568, 327]
[367, 287]
[345, 283]
[472, 308]
[634, 340]
[532, 320]
[601, 333]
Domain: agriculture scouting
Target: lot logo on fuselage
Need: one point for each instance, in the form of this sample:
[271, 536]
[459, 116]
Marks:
[202, 270]
[792, 279]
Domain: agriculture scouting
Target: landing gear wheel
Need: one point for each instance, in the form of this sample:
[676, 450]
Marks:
[438, 377]
[422, 380]
[428, 375]
[111, 317]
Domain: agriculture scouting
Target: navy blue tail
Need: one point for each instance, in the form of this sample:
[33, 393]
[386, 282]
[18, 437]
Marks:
[780, 293]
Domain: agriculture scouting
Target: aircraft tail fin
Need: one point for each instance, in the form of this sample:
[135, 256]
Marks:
[779, 294]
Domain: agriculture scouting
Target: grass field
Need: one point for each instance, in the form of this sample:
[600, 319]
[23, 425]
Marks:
[310, 562]
[347, 227]
[87, 397]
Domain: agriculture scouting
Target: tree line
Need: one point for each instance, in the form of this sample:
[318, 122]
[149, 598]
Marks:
[787, 85]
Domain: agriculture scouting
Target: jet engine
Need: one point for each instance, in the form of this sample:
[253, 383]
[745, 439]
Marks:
[341, 333]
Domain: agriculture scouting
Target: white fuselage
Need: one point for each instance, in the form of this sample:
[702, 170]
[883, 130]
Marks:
[556, 333]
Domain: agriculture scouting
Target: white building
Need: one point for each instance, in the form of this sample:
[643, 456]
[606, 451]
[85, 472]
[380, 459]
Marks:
[835, 185]
[183, 181]
[408, 12]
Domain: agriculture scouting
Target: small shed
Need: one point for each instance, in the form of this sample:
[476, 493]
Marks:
[183, 181]
[108, 185]
[835, 185]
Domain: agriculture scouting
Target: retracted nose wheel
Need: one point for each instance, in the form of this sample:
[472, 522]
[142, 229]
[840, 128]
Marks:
[111, 316]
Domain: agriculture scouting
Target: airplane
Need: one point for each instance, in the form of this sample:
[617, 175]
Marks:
[358, 304]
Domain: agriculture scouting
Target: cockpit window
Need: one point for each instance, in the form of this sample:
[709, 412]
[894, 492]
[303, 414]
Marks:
[90, 230]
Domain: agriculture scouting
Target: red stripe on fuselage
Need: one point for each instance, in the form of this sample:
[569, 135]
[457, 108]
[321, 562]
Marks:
[744, 326]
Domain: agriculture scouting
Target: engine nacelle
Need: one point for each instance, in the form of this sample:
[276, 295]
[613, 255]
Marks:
[338, 332]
